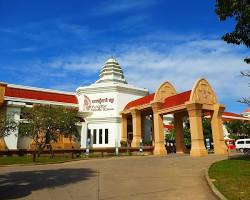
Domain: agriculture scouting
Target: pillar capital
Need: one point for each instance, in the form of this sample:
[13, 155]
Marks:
[179, 115]
[124, 115]
[194, 109]
[193, 106]
[156, 106]
[135, 112]
[219, 109]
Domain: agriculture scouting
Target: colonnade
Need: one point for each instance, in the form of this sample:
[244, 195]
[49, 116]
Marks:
[201, 99]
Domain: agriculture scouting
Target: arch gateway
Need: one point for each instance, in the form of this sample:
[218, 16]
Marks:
[165, 101]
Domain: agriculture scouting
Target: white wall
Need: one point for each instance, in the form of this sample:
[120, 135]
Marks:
[113, 134]
[11, 140]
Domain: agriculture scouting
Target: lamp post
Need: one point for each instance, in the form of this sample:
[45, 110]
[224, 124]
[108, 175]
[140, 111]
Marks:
[141, 147]
[87, 146]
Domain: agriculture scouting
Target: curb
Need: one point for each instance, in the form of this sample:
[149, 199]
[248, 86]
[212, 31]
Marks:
[34, 164]
[215, 191]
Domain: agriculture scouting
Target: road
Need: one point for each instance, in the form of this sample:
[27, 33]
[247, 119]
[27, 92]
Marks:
[148, 178]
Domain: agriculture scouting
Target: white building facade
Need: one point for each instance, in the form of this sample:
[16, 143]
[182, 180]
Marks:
[100, 105]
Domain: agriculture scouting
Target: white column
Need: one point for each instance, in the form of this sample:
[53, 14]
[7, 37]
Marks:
[83, 135]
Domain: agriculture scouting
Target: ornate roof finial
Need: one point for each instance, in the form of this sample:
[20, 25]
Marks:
[111, 72]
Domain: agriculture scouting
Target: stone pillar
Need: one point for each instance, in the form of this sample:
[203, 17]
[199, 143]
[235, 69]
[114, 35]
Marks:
[217, 130]
[2, 92]
[195, 113]
[124, 135]
[2, 144]
[179, 137]
[159, 146]
[136, 120]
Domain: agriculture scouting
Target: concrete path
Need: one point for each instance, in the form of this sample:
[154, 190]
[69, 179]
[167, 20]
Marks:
[154, 178]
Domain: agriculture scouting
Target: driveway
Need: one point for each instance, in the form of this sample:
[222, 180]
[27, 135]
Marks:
[149, 177]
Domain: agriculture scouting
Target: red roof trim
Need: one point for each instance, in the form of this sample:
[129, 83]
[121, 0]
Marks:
[141, 101]
[169, 102]
[231, 114]
[246, 111]
[40, 95]
[176, 100]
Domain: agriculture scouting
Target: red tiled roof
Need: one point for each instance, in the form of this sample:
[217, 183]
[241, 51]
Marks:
[227, 116]
[40, 95]
[140, 101]
[246, 111]
[169, 127]
[176, 100]
[230, 114]
[171, 101]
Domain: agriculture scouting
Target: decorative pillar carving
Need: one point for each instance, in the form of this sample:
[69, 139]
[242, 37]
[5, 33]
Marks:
[179, 136]
[124, 135]
[159, 146]
[217, 130]
[195, 113]
[136, 120]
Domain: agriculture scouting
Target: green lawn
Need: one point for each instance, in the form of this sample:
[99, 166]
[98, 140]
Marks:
[9, 160]
[232, 177]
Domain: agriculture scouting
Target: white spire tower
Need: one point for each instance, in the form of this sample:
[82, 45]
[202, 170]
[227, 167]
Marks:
[111, 72]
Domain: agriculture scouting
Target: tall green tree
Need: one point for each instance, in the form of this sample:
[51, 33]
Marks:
[239, 11]
[45, 124]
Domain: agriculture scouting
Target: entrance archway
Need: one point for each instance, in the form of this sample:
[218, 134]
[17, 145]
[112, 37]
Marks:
[192, 103]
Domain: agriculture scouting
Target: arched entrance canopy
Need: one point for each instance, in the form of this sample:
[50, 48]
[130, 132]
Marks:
[166, 101]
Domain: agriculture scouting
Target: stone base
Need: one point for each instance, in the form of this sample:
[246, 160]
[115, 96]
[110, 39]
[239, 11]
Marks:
[135, 142]
[160, 150]
[182, 150]
[198, 152]
[220, 149]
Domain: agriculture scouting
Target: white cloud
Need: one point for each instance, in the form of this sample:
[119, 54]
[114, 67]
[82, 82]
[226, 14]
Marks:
[112, 7]
[150, 64]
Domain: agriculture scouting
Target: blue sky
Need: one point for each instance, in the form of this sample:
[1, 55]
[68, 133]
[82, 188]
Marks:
[63, 44]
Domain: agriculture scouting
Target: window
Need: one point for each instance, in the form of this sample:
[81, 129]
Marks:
[100, 136]
[106, 136]
[240, 142]
[248, 142]
[94, 136]
[89, 133]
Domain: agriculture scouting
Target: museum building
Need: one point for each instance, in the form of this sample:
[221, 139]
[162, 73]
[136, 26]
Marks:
[113, 111]
[99, 105]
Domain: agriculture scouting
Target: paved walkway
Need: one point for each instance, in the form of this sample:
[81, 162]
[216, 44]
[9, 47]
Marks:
[154, 178]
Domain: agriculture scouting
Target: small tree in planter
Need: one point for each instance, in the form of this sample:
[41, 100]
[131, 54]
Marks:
[45, 124]
[7, 124]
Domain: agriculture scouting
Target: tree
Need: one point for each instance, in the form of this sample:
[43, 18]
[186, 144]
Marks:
[45, 124]
[7, 124]
[246, 100]
[238, 129]
[239, 10]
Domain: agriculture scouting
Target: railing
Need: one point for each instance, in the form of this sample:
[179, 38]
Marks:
[102, 151]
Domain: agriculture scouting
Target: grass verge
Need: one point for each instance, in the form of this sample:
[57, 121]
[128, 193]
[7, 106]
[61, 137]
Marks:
[232, 177]
[10, 160]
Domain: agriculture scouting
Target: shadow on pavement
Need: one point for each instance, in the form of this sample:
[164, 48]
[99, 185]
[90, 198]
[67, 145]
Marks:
[20, 184]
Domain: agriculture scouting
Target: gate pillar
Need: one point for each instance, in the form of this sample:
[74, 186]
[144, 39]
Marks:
[217, 130]
[197, 147]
